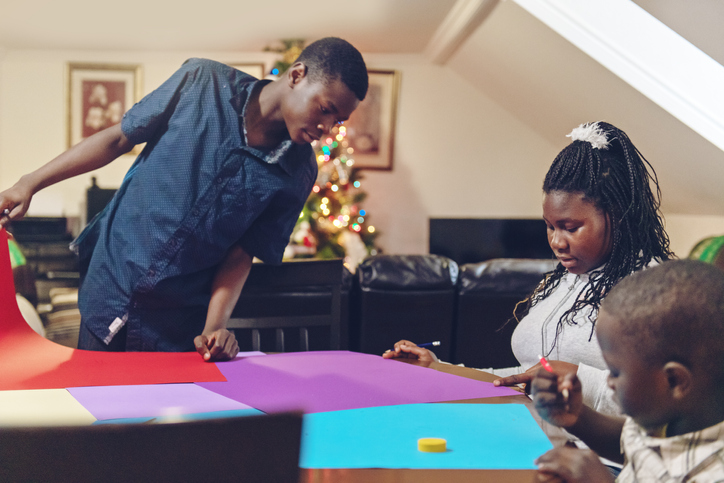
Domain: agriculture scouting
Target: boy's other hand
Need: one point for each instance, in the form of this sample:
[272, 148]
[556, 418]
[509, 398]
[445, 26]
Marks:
[16, 200]
[559, 367]
[572, 465]
[220, 345]
[405, 349]
[558, 399]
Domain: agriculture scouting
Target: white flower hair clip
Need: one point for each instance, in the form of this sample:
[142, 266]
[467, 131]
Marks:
[590, 132]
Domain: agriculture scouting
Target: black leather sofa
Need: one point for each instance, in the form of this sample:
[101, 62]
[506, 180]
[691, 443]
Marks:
[487, 295]
[425, 298]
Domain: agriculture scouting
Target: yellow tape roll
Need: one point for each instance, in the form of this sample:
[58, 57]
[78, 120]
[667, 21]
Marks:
[432, 445]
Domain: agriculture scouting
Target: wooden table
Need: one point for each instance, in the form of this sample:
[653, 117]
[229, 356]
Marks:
[378, 475]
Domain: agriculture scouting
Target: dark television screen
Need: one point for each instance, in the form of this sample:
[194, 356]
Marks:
[472, 240]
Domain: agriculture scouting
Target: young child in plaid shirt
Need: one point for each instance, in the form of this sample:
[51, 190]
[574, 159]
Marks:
[661, 332]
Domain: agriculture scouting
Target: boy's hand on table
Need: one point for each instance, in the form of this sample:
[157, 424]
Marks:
[559, 367]
[557, 399]
[220, 345]
[405, 349]
[572, 465]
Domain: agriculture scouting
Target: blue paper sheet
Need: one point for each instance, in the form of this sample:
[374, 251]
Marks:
[479, 436]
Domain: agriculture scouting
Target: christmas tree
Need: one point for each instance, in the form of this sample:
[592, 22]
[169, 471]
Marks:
[333, 223]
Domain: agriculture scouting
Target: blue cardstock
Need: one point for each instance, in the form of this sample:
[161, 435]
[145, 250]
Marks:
[479, 436]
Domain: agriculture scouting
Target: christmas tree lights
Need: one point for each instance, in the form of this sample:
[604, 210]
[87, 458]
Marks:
[333, 223]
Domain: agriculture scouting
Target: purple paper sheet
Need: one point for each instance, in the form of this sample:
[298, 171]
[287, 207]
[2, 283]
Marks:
[115, 402]
[335, 380]
[241, 355]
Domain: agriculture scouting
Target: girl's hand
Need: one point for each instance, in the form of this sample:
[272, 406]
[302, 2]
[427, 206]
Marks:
[558, 399]
[405, 349]
[559, 367]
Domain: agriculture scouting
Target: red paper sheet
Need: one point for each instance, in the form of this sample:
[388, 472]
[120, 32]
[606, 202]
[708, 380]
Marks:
[29, 361]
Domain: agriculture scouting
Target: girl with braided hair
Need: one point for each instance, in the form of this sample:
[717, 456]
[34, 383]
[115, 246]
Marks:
[603, 223]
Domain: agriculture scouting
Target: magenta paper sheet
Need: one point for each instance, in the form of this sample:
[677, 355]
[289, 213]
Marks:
[335, 380]
[138, 401]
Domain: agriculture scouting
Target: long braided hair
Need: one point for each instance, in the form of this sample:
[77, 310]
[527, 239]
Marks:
[604, 165]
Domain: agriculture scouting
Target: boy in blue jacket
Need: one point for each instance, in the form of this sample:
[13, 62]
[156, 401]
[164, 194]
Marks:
[226, 170]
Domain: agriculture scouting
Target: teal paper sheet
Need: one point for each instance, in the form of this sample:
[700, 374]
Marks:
[479, 436]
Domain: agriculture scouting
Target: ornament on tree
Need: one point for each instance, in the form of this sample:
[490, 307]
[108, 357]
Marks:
[333, 223]
[290, 50]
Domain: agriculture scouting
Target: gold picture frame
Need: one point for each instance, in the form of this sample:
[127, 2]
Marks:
[98, 96]
[371, 127]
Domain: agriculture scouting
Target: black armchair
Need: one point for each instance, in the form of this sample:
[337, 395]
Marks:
[298, 305]
[405, 297]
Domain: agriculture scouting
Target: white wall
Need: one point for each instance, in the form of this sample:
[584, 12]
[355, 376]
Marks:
[685, 231]
[33, 116]
[457, 152]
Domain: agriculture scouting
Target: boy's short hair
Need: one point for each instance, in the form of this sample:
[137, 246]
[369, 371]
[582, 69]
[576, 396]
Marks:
[333, 58]
[673, 312]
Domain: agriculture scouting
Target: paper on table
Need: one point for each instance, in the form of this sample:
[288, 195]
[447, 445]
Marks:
[241, 355]
[233, 413]
[151, 400]
[42, 407]
[29, 361]
[335, 380]
[479, 436]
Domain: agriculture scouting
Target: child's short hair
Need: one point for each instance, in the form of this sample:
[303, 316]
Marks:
[673, 312]
[334, 58]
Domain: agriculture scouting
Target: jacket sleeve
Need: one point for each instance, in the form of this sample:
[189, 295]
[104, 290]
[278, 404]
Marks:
[152, 113]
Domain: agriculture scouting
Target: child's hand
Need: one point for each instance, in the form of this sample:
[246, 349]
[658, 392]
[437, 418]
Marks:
[558, 399]
[405, 349]
[220, 345]
[559, 367]
[572, 465]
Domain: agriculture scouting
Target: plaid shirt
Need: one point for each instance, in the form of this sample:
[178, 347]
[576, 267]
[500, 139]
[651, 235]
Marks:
[696, 457]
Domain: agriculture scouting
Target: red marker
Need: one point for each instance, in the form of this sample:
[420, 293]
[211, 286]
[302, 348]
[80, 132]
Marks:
[546, 365]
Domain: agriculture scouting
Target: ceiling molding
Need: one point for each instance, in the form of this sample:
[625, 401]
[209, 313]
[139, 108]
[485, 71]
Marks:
[646, 54]
[460, 22]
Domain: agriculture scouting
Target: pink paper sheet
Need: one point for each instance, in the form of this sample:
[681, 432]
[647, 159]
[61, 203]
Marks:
[336, 380]
[29, 361]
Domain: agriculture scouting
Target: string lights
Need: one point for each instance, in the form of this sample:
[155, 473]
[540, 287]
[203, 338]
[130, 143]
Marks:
[333, 223]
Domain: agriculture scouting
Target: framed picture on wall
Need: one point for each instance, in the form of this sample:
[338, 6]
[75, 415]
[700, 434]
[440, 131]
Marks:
[253, 69]
[98, 96]
[371, 127]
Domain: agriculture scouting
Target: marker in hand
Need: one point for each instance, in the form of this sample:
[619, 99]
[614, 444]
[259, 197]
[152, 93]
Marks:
[429, 344]
[547, 366]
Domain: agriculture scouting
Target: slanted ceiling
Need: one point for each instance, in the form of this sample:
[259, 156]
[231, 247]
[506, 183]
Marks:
[507, 54]
[551, 86]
